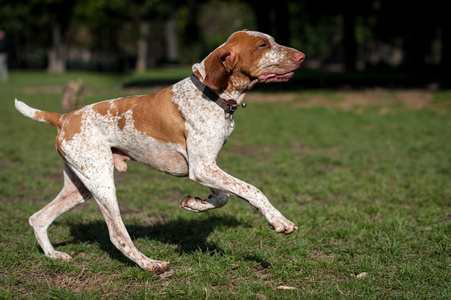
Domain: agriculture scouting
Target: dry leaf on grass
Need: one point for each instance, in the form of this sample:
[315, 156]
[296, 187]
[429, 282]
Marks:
[285, 288]
[362, 275]
[166, 274]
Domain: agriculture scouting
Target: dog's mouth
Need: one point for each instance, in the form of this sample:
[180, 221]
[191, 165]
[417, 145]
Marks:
[272, 77]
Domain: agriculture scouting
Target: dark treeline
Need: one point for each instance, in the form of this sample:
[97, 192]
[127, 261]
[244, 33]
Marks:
[127, 35]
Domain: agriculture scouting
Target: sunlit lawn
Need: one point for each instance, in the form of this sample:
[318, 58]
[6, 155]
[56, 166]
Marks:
[369, 187]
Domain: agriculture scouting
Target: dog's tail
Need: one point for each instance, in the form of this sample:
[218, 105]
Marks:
[39, 115]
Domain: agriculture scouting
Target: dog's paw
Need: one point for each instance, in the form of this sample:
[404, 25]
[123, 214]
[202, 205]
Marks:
[282, 225]
[60, 255]
[158, 267]
[192, 204]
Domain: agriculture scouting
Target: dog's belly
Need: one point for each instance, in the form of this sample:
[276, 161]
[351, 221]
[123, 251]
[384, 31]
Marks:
[167, 158]
[165, 161]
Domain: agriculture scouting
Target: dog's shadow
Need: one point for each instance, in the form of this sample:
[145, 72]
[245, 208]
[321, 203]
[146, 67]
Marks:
[189, 235]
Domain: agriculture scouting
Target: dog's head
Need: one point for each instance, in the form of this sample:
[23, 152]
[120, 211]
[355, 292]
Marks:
[248, 57]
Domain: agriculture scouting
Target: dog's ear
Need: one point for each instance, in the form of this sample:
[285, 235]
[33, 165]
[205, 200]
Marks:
[223, 60]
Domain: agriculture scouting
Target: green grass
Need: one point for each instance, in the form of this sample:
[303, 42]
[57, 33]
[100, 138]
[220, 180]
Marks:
[369, 188]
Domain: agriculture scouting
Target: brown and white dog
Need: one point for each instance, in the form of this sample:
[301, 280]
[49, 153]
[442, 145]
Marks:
[178, 130]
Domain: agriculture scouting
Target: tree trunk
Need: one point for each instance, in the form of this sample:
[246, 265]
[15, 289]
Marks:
[446, 48]
[56, 55]
[350, 43]
[141, 61]
[171, 39]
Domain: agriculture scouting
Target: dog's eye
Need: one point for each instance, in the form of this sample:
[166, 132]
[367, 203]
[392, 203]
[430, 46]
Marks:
[263, 45]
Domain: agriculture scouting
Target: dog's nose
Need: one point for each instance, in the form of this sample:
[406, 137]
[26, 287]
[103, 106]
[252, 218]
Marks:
[299, 57]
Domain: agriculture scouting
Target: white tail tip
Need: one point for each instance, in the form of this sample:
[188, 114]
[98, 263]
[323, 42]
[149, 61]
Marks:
[25, 109]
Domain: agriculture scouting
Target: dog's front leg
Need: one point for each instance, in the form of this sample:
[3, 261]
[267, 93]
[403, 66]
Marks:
[207, 133]
[210, 175]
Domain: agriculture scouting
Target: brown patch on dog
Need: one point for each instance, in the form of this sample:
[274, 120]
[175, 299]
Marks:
[154, 115]
[72, 126]
[121, 123]
[102, 108]
[49, 117]
[157, 116]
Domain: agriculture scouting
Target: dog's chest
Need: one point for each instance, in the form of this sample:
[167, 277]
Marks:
[230, 126]
[203, 118]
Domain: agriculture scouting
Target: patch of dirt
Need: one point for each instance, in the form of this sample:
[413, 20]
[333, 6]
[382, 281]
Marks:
[416, 99]
[260, 272]
[44, 89]
[345, 99]
[349, 99]
[300, 149]
[77, 283]
[89, 91]
[318, 255]
[55, 90]
[256, 97]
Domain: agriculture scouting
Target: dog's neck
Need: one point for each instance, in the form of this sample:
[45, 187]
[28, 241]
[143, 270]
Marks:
[237, 87]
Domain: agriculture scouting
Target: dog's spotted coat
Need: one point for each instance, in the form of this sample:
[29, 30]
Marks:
[176, 131]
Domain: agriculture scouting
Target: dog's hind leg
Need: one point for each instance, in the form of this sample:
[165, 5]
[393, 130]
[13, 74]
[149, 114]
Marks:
[216, 200]
[72, 194]
[99, 179]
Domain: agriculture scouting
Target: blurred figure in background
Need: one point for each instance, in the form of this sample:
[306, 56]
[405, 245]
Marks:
[3, 56]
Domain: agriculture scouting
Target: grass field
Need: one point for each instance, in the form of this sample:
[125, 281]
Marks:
[366, 176]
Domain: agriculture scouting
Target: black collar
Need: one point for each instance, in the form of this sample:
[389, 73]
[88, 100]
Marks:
[229, 106]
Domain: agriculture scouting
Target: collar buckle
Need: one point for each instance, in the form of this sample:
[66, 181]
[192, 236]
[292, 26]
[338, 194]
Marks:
[233, 105]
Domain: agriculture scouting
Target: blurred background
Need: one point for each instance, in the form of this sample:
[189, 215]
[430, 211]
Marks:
[373, 42]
